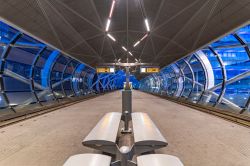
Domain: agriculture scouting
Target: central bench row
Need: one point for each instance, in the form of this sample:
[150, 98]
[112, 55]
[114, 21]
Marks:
[103, 136]
[104, 160]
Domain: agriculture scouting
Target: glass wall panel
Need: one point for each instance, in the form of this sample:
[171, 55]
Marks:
[217, 75]
[34, 75]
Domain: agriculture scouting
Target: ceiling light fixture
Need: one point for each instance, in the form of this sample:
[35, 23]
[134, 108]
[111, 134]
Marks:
[124, 48]
[138, 42]
[112, 9]
[111, 37]
[107, 25]
[130, 53]
[147, 25]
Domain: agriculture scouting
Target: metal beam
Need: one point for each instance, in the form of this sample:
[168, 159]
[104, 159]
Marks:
[31, 76]
[3, 61]
[224, 75]
[193, 77]
[243, 43]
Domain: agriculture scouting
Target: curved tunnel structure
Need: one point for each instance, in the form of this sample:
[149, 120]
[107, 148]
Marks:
[35, 75]
[125, 82]
[218, 75]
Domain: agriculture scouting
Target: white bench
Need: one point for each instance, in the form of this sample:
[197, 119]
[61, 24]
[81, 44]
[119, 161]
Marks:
[158, 160]
[88, 160]
[103, 136]
[147, 136]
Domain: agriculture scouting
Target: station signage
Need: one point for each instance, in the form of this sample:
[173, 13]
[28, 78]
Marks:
[150, 69]
[105, 69]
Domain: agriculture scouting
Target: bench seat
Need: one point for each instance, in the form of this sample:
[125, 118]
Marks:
[103, 136]
[88, 160]
[158, 160]
[147, 136]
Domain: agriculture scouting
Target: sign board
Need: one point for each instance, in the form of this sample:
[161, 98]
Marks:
[105, 69]
[153, 70]
[149, 69]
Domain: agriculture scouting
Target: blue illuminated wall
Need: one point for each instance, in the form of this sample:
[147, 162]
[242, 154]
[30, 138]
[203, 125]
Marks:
[217, 75]
[34, 75]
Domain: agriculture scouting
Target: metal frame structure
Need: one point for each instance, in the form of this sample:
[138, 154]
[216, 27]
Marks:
[208, 87]
[7, 43]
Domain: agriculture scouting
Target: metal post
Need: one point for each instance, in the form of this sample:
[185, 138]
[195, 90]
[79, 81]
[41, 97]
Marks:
[73, 73]
[62, 77]
[206, 77]
[224, 74]
[193, 77]
[32, 73]
[3, 61]
[183, 83]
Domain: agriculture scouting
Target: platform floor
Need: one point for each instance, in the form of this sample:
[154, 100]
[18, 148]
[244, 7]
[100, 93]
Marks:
[197, 138]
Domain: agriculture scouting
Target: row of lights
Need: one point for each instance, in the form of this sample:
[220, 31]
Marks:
[113, 38]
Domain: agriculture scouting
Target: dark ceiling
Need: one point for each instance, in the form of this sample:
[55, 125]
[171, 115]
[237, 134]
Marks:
[178, 27]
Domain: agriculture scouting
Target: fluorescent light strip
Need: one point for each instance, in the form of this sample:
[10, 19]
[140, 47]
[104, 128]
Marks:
[144, 37]
[138, 42]
[112, 9]
[147, 25]
[130, 53]
[111, 37]
[108, 25]
[124, 48]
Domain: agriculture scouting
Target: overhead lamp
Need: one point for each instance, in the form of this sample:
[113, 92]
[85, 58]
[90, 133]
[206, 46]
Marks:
[124, 48]
[130, 53]
[138, 42]
[108, 25]
[111, 37]
[147, 25]
[112, 9]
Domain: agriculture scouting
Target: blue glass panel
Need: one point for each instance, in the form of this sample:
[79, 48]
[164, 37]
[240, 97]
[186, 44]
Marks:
[244, 33]
[6, 32]
[225, 41]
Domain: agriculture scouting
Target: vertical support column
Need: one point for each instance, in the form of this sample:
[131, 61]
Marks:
[183, 80]
[208, 69]
[62, 77]
[46, 72]
[206, 76]
[246, 47]
[3, 61]
[77, 71]
[193, 77]
[224, 74]
[179, 85]
[72, 77]
[242, 42]
[32, 72]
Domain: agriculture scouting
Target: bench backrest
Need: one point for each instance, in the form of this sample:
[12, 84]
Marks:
[158, 160]
[106, 129]
[88, 160]
[145, 131]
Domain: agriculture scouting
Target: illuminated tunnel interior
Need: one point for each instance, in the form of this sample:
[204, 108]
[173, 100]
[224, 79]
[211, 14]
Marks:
[125, 83]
